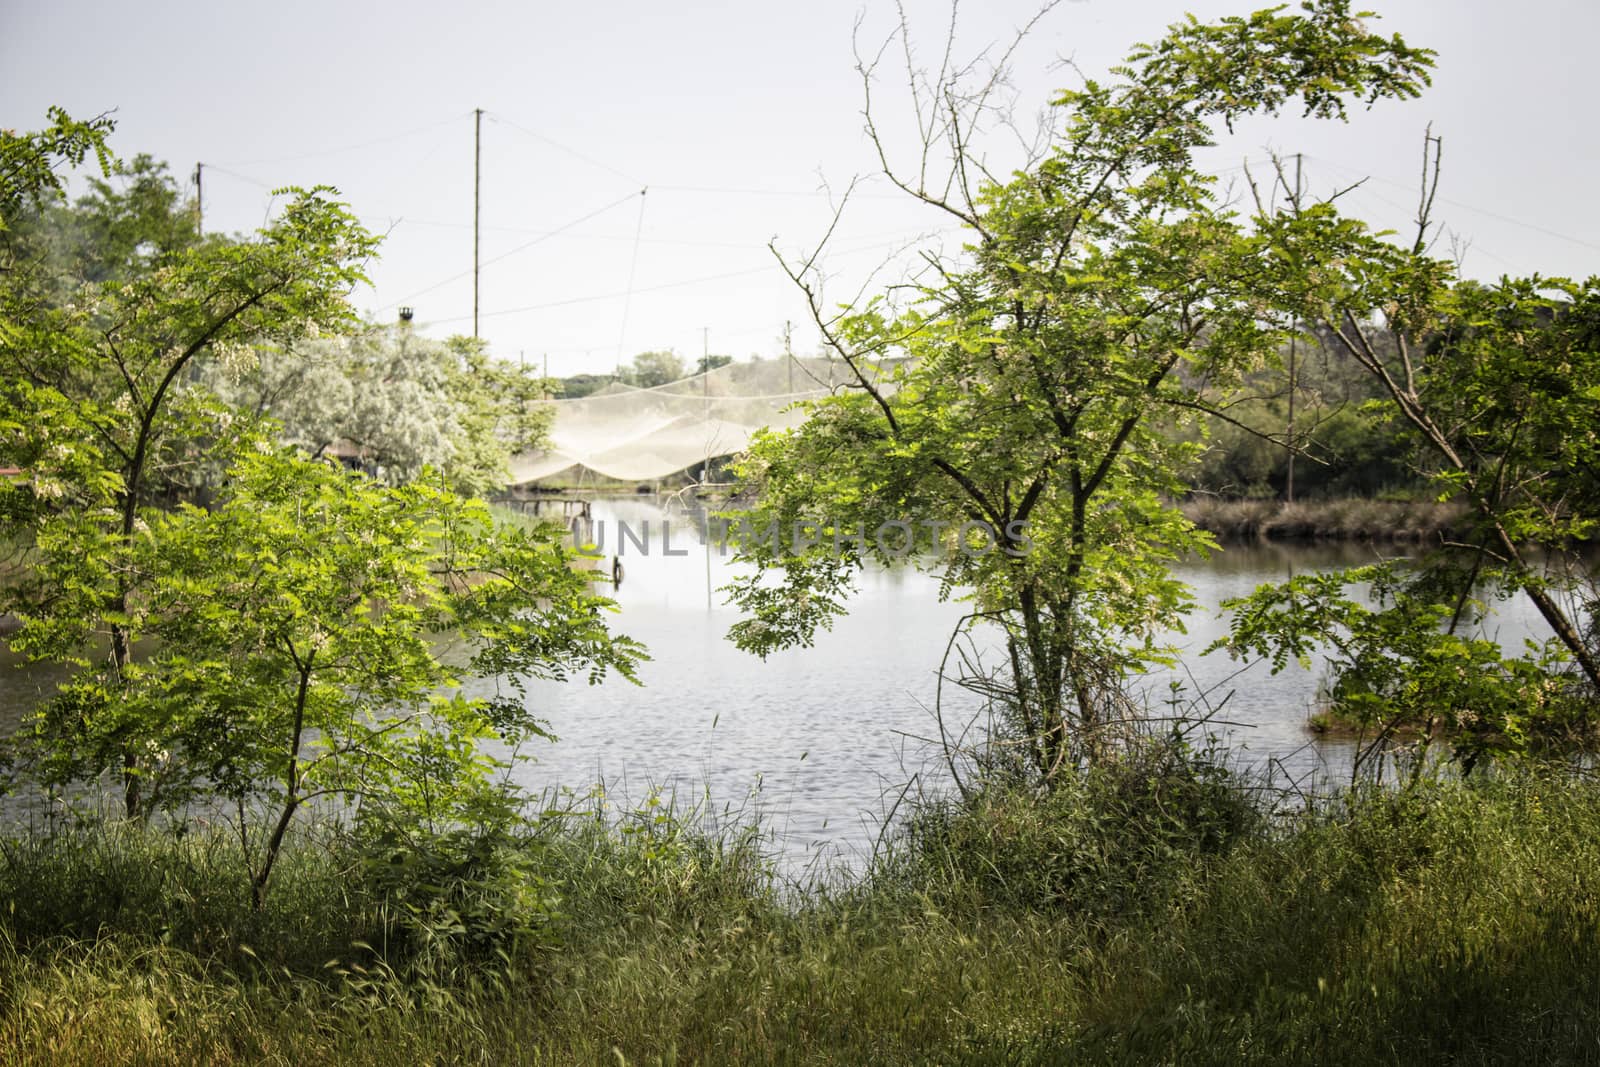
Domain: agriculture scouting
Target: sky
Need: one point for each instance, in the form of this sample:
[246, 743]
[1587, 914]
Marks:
[638, 158]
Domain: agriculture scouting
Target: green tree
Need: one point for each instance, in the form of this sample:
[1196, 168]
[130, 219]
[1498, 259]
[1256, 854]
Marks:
[93, 388]
[1103, 287]
[401, 402]
[1405, 666]
[29, 162]
[293, 637]
[650, 369]
[127, 223]
[1496, 386]
[581, 385]
[29, 184]
[297, 656]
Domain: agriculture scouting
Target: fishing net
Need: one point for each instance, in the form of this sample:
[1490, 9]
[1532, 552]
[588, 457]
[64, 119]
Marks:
[623, 434]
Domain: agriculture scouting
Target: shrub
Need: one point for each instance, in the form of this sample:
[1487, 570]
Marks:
[1105, 840]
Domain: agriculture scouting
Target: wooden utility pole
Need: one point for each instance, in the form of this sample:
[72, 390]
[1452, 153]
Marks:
[477, 192]
[788, 354]
[705, 465]
[199, 202]
[1294, 339]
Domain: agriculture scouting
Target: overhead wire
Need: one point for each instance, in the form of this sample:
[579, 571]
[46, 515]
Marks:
[1535, 227]
[1396, 205]
[633, 267]
[610, 296]
[520, 248]
[496, 117]
[218, 168]
[681, 283]
[743, 245]
[346, 148]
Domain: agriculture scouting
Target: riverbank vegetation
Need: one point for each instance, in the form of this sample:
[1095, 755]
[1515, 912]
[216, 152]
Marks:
[316, 856]
[1398, 521]
[1161, 910]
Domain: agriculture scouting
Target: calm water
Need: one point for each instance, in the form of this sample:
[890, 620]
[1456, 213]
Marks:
[822, 741]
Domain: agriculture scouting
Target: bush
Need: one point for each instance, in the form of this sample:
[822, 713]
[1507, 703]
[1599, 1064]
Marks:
[184, 888]
[1107, 840]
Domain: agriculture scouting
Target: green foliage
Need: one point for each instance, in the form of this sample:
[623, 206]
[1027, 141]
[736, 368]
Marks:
[1105, 297]
[120, 228]
[1346, 443]
[1404, 667]
[29, 185]
[650, 369]
[283, 648]
[581, 385]
[29, 161]
[1110, 842]
[394, 402]
[182, 888]
[105, 369]
[1454, 923]
[461, 880]
[705, 364]
[297, 653]
[1495, 386]
[118, 351]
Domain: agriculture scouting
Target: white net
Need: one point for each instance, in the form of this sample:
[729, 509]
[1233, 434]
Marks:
[624, 434]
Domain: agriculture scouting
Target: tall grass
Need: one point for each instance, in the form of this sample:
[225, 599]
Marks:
[1155, 911]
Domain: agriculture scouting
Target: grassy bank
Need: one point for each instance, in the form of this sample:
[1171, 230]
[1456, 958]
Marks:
[1334, 519]
[1153, 912]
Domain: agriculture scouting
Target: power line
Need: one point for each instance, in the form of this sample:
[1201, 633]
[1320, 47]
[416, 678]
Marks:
[733, 190]
[747, 272]
[520, 248]
[609, 296]
[1462, 204]
[633, 267]
[218, 168]
[727, 190]
[741, 245]
[495, 116]
[345, 148]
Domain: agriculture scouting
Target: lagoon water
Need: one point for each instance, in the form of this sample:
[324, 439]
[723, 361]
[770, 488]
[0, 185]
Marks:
[822, 742]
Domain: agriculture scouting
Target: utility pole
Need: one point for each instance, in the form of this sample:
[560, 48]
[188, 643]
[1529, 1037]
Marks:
[1294, 339]
[199, 202]
[477, 191]
[705, 466]
[788, 354]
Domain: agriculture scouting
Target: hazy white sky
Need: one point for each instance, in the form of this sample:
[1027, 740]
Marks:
[733, 115]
